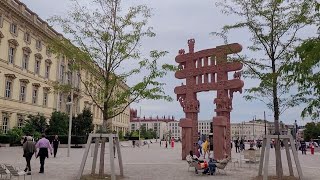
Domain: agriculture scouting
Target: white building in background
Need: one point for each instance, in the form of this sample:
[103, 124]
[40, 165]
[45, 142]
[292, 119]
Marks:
[174, 129]
[204, 127]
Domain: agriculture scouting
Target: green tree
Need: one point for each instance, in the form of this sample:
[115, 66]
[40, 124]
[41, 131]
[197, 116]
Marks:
[105, 40]
[274, 27]
[83, 123]
[120, 135]
[58, 124]
[134, 134]
[15, 134]
[311, 131]
[35, 125]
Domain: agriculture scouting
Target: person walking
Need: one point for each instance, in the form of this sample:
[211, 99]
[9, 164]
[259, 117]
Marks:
[29, 148]
[114, 148]
[236, 144]
[303, 146]
[43, 145]
[55, 144]
[205, 148]
[200, 146]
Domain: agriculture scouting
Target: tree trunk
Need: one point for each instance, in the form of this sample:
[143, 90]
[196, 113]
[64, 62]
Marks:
[279, 169]
[103, 149]
[101, 166]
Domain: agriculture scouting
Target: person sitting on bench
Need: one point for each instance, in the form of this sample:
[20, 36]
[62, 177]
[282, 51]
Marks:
[211, 167]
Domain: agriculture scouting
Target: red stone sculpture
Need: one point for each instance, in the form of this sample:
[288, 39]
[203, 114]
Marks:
[207, 70]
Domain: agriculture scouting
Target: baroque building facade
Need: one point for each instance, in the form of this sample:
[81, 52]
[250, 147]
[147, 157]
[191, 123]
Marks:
[28, 72]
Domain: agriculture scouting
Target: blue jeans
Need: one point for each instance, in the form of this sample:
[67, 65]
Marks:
[211, 169]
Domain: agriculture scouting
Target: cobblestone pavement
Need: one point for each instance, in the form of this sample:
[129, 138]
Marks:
[147, 164]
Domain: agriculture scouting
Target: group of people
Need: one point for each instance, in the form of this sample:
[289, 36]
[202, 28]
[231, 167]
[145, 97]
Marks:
[239, 144]
[210, 166]
[203, 147]
[43, 146]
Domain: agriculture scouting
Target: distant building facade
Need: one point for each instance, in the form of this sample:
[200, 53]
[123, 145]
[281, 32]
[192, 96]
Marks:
[165, 126]
[255, 129]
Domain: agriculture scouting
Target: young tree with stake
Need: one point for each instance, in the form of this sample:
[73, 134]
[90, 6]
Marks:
[274, 26]
[105, 40]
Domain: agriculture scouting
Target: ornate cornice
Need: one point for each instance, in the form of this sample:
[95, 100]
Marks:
[48, 61]
[24, 81]
[36, 84]
[47, 88]
[38, 55]
[11, 76]
[13, 42]
[27, 50]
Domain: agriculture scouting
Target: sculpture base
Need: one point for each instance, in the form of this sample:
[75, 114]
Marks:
[219, 134]
[186, 126]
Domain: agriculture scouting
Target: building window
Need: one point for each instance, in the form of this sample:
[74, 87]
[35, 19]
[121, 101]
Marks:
[23, 89]
[27, 37]
[47, 71]
[25, 61]
[37, 66]
[39, 45]
[69, 77]
[20, 121]
[60, 101]
[8, 90]
[1, 20]
[48, 52]
[45, 98]
[14, 29]
[61, 73]
[35, 94]
[11, 55]
[5, 123]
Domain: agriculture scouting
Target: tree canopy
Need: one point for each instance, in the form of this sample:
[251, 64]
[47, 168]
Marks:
[58, 123]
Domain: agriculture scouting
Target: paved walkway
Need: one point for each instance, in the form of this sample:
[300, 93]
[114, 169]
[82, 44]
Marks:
[146, 164]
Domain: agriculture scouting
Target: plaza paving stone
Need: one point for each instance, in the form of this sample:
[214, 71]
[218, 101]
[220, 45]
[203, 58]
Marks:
[147, 164]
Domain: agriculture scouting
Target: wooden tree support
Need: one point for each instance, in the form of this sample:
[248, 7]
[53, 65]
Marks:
[265, 152]
[95, 154]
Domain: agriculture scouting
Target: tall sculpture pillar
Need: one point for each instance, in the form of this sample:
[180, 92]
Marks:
[207, 70]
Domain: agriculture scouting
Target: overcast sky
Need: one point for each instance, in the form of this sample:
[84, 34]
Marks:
[175, 21]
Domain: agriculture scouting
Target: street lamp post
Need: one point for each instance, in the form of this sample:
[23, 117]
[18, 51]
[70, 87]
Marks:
[70, 122]
[139, 123]
[265, 123]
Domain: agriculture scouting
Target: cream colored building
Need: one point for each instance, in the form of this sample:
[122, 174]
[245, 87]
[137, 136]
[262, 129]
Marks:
[248, 130]
[28, 70]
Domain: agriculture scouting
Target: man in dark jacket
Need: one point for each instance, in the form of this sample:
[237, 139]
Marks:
[303, 146]
[29, 148]
[55, 144]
